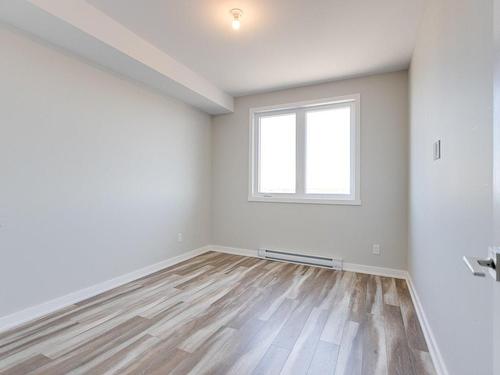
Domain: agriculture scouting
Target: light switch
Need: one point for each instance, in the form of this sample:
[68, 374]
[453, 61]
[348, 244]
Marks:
[437, 150]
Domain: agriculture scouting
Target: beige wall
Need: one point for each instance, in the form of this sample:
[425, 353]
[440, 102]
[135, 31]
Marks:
[333, 230]
[97, 175]
[450, 199]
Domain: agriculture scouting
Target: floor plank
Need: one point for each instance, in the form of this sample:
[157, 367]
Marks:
[324, 361]
[272, 362]
[390, 291]
[350, 360]
[374, 346]
[302, 353]
[414, 332]
[399, 358]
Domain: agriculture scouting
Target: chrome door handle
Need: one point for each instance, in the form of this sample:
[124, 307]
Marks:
[479, 266]
[474, 265]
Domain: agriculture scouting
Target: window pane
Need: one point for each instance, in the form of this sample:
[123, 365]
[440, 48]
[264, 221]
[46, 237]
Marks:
[277, 154]
[328, 151]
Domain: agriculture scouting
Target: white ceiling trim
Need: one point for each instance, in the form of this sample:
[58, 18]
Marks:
[78, 26]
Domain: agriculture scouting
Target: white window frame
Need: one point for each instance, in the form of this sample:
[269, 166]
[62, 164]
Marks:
[299, 109]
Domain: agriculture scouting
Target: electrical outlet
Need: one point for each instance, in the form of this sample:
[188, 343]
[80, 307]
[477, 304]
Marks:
[376, 249]
[179, 237]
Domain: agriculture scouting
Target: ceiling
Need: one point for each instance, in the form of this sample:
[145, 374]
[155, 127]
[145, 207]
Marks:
[281, 43]
[82, 29]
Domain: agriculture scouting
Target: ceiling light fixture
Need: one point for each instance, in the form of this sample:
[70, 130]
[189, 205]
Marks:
[237, 13]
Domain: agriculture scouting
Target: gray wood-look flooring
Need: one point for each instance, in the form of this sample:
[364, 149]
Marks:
[228, 314]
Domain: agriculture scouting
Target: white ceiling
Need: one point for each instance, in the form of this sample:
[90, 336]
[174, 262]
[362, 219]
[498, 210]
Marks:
[281, 43]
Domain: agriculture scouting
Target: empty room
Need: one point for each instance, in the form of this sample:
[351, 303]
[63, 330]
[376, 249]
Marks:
[281, 187]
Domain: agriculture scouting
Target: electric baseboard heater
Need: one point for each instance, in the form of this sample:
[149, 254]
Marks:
[310, 260]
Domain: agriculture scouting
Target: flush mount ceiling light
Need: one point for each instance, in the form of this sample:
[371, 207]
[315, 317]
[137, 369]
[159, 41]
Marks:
[236, 13]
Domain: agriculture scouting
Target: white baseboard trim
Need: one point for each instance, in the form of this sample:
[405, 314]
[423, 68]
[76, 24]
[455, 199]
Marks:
[374, 270]
[352, 267]
[234, 250]
[434, 351]
[11, 321]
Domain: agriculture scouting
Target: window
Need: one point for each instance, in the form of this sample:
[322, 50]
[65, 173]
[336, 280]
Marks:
[306, 152]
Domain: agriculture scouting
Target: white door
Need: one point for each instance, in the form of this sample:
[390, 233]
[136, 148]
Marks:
[483, 267]
[496, 189]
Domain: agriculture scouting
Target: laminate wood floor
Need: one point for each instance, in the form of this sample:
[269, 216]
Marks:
[228, 314]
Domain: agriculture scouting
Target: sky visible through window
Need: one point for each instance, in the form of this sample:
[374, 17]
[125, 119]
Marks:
[328, 150]
[277, 154]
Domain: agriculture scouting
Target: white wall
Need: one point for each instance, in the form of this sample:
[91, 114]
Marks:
[345, 231]
[450, 199]
[97, 178]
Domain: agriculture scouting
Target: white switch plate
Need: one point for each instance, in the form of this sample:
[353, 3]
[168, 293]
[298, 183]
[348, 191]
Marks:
[376, 249]
[179, 237]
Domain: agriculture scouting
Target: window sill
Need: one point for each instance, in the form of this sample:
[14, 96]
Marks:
[340, 202]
